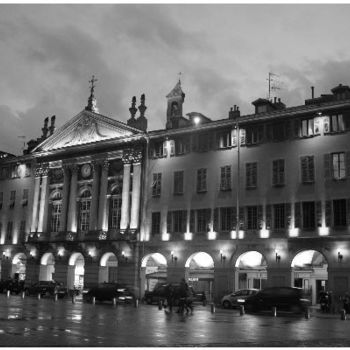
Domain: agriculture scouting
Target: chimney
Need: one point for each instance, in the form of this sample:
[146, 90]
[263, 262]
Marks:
[234, 113]
[312, 91]
[52, 126]
[45, 129]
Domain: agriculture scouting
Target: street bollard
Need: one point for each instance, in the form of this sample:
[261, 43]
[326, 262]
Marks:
[136, 303]
[343, 315]
[23, 294]
[307, 313]
[212, 308]
[160, 305]
[56, 296]
[39, 296]
[8, 293]
[93, 300]
[114, 302]
[241, 310]
[274, 311]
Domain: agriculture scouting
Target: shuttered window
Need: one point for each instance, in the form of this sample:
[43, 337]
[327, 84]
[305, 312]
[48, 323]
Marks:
[156, 184]
[307, 169]
[338, 165]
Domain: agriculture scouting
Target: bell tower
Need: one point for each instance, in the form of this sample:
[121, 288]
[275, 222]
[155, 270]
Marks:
[175, 99]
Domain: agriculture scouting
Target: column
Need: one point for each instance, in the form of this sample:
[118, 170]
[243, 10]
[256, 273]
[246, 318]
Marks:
[102, 210]
[35, 201]
[94, 195]
[42, 223]
[125, 195]
[63, 220]
[72, 213]
[136, 196]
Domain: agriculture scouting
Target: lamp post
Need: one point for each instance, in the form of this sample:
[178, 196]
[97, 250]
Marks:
[238, 177]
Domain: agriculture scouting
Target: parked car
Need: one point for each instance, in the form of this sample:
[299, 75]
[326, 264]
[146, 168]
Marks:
[237, 298]
[283, 298]
[13, 285]
[159, 293]
[46, 288]
[108, 291]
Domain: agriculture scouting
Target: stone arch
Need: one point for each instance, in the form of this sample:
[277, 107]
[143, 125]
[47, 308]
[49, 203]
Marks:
[76, 271]
[19, 266]
[199, 272]
[56, 195]
[250, 270]
[108, 269]
[154, 269]
[309, 269]
[83, 189]
[47, 267]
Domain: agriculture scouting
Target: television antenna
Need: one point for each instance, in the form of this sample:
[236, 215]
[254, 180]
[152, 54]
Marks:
[273, 83]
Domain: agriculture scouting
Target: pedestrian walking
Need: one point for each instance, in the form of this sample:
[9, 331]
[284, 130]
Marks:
[346, 302]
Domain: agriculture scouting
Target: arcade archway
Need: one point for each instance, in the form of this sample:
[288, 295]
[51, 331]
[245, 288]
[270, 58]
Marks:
[75, 276]
[250, 271]
[18, 268]
[310, 272]
[47, 267]
[200, 273]
[108, 271]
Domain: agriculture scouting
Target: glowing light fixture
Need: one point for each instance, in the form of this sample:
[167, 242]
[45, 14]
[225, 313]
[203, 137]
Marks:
[340, 257]
[188, 236]
[196, 120]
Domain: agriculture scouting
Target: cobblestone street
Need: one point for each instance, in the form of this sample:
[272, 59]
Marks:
[32, 322]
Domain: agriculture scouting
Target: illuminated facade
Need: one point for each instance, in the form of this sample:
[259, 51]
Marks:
[247, 201]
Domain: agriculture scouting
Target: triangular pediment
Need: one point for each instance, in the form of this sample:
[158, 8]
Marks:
[86, 127]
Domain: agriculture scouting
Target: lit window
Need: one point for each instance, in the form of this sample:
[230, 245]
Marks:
[307, 127]
[84, 211]
[156, 184]
[338, 165]
[115, 212]
[224, 139]
[56, 216]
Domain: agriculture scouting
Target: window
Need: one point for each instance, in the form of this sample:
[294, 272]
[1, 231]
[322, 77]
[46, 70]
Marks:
[307, 127]
[225, 178]
[179, 221]
[278, 172]
[155, 223]
[338, 165]
[115, 212]
[308, 215]
[156, 184]
[158, 149]
[178, 182]
[56, 216]
[278, 132]
[337, 123]
[339, 212]
[224, 139]
[251, 175]
[182, 146]
[22, 230]
[261, 109]
[9, 231]
[252, 216]
[254, 134]
[84, 211]
[202, 142]
[279, 216]
[227, 217]
[25, 197]
[201, 180]
[1, 199]
[203, 219]
[307, 169]
[12, 198]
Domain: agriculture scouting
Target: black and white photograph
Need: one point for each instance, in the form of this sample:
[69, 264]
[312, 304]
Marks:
[174, 174]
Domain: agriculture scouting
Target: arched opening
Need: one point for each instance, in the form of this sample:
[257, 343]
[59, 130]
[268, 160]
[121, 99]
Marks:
[75, 277]
[310, 272]
[250, 271]
[47, 267]
[18, 268]
[200, 273]
[153, 271]
[115, 205]
[55, 210]
[108, 271]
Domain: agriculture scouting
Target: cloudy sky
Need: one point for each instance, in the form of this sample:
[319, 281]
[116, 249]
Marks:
[225, 52]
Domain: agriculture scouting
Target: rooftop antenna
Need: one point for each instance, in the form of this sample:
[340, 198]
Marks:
[22, 137]
[273, 83]
[179, 74]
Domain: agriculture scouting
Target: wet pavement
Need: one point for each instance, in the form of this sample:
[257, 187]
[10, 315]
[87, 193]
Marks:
[33, 322]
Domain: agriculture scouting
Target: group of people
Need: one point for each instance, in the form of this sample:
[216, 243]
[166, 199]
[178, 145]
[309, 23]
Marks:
[180, 295]
[325, 300]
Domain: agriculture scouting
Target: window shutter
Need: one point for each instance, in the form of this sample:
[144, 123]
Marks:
[346, 120]
[274, 172]
[328, 214]
[268, 216]
[172, 147]
[234, 137]
[165, 150]
[242, 136]
[241, 218]
[169, 224]
[297, 213]
[310, 127]
[192, 220]
[216, 219]
[326, 128]
[318, 214]
[311, 176]
[347, 164]
[327, 166]
[303, 163]
[260, 217]
[317, 123]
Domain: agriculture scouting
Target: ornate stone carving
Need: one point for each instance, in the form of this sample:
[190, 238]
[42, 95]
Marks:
[102, 235]
[136, 156]
[43, 170]
[126, 156]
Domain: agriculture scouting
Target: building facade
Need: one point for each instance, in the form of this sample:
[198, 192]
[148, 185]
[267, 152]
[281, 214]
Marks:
[243, 202]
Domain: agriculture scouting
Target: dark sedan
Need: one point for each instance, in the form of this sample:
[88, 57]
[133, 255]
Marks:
[108, 292]
[45, 288]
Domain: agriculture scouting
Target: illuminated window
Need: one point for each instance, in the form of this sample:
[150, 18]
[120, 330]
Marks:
[278, 172]
[225, 178]
[155, 223]
[158, 149]
[307, 127]
[251, 175]
[156, 184]
[252, 216]
[182, 146]
[338, 162]
[224, 139]
[115, 212]
[56, 216]
[307, 169]
[84, 211]
[337, 123]
[178, 182]
[279, 216]
[339, 212]
[201, 180]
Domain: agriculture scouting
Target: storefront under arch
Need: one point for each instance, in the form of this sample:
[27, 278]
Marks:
[108, 271]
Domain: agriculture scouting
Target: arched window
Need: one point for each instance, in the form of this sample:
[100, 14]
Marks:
[56, 211]
[115, 207]
[84, 211]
